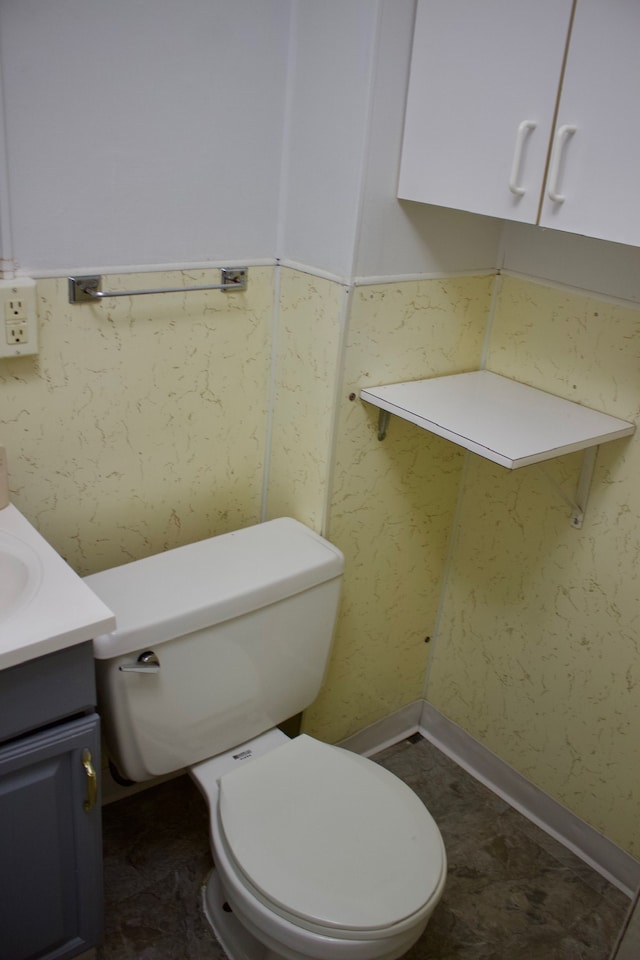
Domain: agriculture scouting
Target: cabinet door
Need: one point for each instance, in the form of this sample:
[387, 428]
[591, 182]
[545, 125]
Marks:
[596, 168]
[481, 73]
[50, 846]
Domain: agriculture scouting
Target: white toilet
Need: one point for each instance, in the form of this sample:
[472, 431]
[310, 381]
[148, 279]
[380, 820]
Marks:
[318, 852]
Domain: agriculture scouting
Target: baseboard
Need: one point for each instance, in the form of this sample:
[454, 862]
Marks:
[604, 856]
[386, 732]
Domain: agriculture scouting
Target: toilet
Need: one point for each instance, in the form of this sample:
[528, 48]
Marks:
[318, 852]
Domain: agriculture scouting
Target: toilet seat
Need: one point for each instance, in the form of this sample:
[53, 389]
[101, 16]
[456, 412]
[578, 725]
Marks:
[350, 851]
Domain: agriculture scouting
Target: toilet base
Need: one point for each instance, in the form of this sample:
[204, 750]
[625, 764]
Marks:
[233, 937]
[239, 943]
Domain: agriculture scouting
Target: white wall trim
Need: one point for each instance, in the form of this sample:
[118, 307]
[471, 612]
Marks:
[367, 140]
[452, 547]
[568, 288]
[275, 329]
[314, 272]
[372, 281]
[604, 856]
[495, 296]
[105, 270]
[410, 277]
[7, 264]
[146, 268]
[285, 160]
[338, 385]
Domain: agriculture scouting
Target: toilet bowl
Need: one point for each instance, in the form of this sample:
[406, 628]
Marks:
[318, 852]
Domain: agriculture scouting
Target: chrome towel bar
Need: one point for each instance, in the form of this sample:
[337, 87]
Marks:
[87, 289]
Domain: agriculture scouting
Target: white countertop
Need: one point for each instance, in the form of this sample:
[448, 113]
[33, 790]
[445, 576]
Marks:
[59, 608]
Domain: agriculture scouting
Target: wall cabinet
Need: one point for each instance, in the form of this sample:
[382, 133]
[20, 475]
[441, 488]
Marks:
[524, 111]
[50, 825]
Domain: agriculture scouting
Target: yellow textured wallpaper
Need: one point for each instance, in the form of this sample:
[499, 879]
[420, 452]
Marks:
[392, 502]
[141, 423]
[307, 346]
[538, 655]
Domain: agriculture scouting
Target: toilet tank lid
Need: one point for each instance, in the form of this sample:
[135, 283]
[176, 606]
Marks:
[202, 584]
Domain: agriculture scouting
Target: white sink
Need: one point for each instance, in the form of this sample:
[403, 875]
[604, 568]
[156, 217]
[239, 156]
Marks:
[20, 574]
[44, 605]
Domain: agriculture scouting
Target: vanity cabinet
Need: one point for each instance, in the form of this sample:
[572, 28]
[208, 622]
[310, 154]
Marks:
[50, 822]
[524, 111]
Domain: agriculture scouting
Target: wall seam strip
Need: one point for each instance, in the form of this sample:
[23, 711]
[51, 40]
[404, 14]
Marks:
[283, 198]
[413, 277]
[147, 268]
[275, 323]
[7, 263]
[446, 574]
[577, 291]
[345, 320]
[455, 525]
[366, 142]
[495, 296]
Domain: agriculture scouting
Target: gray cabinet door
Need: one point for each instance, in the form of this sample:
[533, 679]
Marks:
[50, 845]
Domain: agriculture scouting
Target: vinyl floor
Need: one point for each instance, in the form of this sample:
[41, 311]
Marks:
[512, 892]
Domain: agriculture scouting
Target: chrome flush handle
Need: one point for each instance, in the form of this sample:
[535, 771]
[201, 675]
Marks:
[147, 662]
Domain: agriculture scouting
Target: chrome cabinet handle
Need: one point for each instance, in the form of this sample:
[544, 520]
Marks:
[147, 662]
[524, 130]
[92, 781]
[562, 137]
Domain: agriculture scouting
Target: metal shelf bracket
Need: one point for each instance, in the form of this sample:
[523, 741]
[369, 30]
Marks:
[578, 503]
[383, 423]
[584, 486]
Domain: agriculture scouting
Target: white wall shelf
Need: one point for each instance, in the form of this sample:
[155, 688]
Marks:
[501, 420]
[497, 418]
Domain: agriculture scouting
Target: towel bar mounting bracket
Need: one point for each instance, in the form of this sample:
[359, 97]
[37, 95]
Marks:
[89, 289]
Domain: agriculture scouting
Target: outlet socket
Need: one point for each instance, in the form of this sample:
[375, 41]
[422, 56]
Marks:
[19, 333]
[14, 310]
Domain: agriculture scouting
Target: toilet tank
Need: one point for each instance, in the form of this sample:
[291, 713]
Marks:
[241, 628]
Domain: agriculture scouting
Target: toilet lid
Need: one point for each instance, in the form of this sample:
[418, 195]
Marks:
[330, 837]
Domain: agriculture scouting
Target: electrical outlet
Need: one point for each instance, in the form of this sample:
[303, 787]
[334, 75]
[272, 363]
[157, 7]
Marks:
[14, 310]
[18, 307]
[17, 331]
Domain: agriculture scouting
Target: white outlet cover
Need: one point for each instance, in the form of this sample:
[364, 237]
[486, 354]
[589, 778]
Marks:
[22, 290]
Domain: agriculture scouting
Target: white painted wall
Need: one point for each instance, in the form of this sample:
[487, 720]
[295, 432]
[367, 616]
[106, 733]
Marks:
[606, 268]
[331, 63]
[209, 131]
[156, 133]
[349, 72]
[142, 133]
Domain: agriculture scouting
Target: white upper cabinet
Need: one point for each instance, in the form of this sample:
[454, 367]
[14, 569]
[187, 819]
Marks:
[527, 111]
[482, 97]
[594, 172]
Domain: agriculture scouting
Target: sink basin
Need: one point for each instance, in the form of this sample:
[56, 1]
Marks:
[44, 604]
[20, 574]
